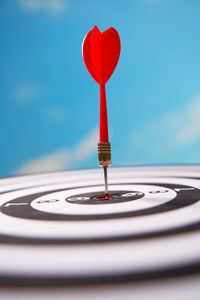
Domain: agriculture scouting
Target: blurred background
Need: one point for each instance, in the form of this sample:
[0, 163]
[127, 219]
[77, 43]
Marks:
[49, 104]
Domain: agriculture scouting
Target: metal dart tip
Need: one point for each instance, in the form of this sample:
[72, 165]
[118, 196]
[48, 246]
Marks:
[105, 180]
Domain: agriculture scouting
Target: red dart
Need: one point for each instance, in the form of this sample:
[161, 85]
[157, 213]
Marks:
[101, 51]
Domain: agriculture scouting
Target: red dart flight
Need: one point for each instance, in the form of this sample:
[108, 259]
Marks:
[101, 51]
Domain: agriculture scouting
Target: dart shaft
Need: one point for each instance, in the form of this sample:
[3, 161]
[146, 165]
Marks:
[103, 134]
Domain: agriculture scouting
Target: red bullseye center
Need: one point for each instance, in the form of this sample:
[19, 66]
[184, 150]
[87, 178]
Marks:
[106, 197]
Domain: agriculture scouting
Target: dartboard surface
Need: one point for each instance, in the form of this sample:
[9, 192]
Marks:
[58, 226]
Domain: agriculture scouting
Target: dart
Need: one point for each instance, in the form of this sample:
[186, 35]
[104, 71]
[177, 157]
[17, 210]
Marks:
[101, 51]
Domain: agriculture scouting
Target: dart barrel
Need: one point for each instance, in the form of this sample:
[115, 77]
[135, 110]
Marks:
[104, 154]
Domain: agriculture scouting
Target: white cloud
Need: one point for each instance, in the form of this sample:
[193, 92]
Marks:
[87, 146]
[191, 123]
[49, 6]
[174, 130]
[52, 162]
[25, 92]
[56, 113]
[63, 158]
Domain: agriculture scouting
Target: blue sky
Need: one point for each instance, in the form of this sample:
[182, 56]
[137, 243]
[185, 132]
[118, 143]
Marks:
[49, 104]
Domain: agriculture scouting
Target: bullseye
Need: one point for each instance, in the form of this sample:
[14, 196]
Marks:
[99, 198]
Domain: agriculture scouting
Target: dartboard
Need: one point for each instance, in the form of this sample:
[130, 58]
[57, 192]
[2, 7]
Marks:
[59, 227]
